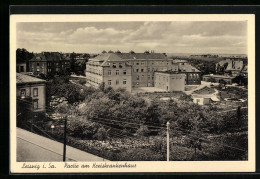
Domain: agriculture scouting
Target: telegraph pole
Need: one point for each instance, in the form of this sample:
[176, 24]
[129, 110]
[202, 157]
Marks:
[65, 138]
[168, 142]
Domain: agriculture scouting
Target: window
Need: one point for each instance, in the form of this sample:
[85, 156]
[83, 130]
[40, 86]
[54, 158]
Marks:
[114, 65]
[57, 69]
[35, 104]
[142, 76]
[35, 91]
[148, 69]
[137, 63]
[148, 77]
[23, 93]
[109, 73]
[117, 72]
[38, 68]
[57, 64]
[124, 72]
[38, 64]
[117, 82]
[137, 70]
[21, 68]
[120, 65]
[109, 82]
[124, 81]
[142, 70]
[137, 77]
[142, 63]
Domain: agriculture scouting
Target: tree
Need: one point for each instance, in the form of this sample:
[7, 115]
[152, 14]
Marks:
[143, 131]
[73, 62]
[23, 56]
[110, 51]
[104, 51]
[101, 134]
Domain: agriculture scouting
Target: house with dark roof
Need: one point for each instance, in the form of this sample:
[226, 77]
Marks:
[30, 93]
[49, 63]
[231, 67]
[132, 70]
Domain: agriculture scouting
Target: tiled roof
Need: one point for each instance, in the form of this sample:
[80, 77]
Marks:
[235, 65]
[49, 56]
[245, 68]
[133, 56]
[22, 79]
[187, 68]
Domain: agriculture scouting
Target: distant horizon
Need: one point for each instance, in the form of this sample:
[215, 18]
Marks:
[140, 52]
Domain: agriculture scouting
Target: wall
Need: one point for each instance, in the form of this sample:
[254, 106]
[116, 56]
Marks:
[120, 77]
[170, 82]
[29, 93]
[18, 67]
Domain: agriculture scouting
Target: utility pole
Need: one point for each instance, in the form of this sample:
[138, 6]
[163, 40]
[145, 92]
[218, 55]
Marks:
[168, 142]
[65, 138]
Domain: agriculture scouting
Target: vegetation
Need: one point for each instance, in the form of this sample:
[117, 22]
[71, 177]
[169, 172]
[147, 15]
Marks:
[130, 127]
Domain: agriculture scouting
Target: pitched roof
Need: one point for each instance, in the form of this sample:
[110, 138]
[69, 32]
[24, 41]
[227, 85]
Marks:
[187, 68]
[133, 56]
[235, 65]
[49, 56]
[22, 79]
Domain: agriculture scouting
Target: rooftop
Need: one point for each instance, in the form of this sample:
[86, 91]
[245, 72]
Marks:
[49, 56]
[22, 79]
[219, 76]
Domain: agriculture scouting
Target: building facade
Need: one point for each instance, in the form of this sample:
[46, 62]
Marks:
[21, 67]
[133, 70]
[49, 63]
[169, 81]
[31, 90]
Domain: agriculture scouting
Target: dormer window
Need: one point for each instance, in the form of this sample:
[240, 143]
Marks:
[114, 65]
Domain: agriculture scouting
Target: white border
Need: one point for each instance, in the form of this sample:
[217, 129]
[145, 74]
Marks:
[172, 166]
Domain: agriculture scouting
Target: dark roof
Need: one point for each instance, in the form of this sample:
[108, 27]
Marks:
[23, 79]
[49, 56]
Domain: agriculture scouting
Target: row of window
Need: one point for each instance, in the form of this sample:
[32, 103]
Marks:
[142, 77]
[109, 82]
[117, 72]
[152, 63]
[115, 65]
[23, 92]
[151, 69]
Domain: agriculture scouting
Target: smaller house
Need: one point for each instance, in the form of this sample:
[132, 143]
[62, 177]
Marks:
[30, 91]
[169, 81]
[201, 99]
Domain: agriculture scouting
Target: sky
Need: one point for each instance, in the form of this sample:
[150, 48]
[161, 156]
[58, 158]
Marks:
[220, 37]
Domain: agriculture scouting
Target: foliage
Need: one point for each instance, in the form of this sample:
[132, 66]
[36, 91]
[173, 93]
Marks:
[143, 131]
[22, 55]
[101, 134]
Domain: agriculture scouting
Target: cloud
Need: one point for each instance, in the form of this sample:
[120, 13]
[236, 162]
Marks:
[159, 36]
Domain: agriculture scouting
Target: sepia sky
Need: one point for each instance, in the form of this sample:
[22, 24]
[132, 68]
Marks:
[167, 37]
